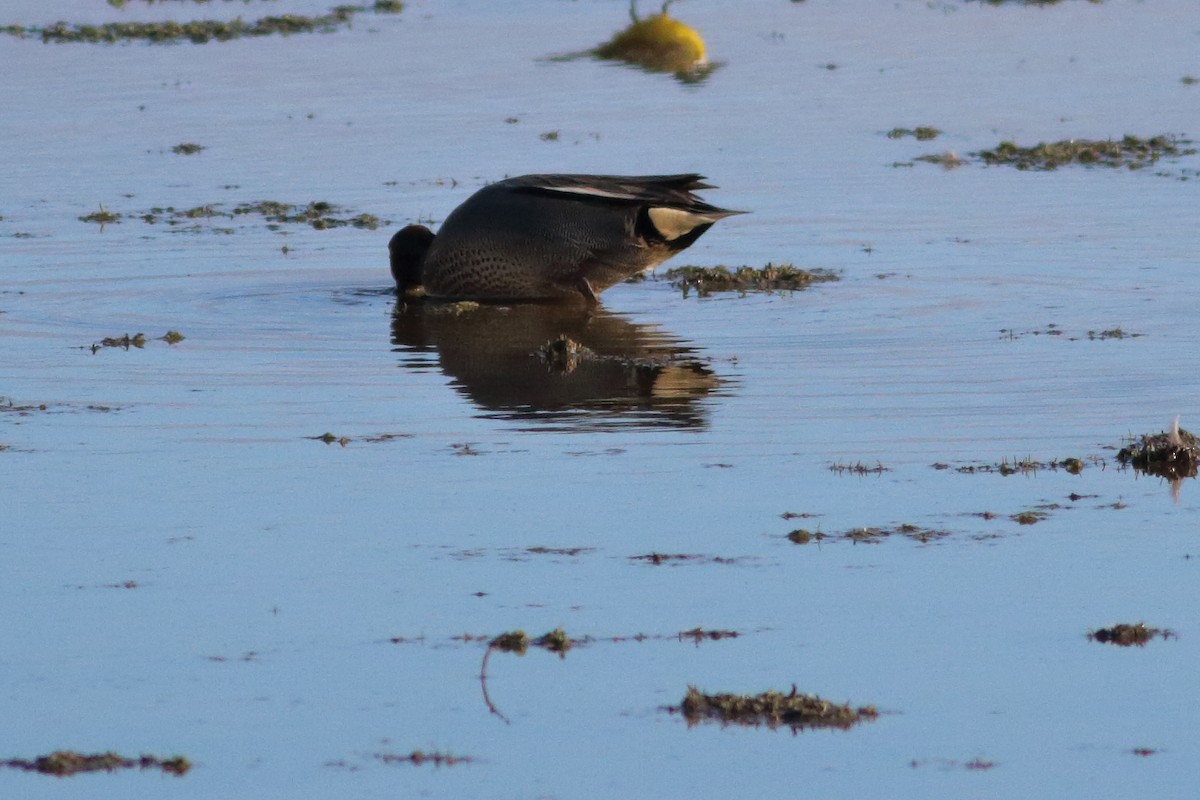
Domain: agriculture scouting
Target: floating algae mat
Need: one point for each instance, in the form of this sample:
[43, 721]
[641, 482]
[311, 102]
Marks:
[318, 214]
[773, 709]
[1133, 152]
[1170, 454]
[771, 278]
[196, 31]
[64, 763]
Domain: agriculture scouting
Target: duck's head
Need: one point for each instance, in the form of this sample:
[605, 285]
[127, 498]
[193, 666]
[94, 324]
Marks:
[407, 252]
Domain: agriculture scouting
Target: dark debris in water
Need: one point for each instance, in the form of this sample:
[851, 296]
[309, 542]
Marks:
[1171, 454]
[974, 764]
[136, 341]
[869, 535]
[64, 763]
[1023, 466]
[1052, 329]
[858, 468]
[659, 559]
[187, 149]
[419, 757]
[562, 354]
[698, 635]
[771, 278]
[922, 133]
[1125, 635]
[772, 709]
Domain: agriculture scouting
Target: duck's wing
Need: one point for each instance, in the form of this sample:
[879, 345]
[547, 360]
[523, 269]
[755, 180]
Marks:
[662, 191]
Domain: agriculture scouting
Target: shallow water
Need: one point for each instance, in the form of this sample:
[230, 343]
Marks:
[271, 570]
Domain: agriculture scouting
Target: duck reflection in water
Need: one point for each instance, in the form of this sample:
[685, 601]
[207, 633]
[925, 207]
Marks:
[565, 367]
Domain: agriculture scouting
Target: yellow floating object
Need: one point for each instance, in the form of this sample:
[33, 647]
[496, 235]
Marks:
[657, 43]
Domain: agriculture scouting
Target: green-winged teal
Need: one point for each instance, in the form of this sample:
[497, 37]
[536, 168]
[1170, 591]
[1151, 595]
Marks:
[546, 237]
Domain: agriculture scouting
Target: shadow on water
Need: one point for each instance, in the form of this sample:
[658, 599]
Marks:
[563, 368]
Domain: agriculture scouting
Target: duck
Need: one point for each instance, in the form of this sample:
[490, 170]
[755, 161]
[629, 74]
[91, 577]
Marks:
[552, 237]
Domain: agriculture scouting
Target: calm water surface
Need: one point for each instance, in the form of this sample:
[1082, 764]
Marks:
[271, 571]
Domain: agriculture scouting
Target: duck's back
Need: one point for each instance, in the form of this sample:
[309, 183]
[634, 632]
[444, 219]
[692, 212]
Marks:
[547, 236]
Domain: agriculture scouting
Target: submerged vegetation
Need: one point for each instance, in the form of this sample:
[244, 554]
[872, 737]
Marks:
[64, 763]
[773, 709]
[771, 278]
[198, 31]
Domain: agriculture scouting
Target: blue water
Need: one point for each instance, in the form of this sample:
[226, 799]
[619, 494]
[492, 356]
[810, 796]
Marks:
[272, 570]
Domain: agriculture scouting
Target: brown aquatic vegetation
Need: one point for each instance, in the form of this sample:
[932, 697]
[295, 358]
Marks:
[64, 763]
[419, 757]
[562, 354]
[103, 216]
[1133, 152]
[771, 708]
[771, 278]
[1124, 635]
[870, 535]
[1024, 466]
[1118, 332]
[317, 214]
[1171, 454]
[187, 149]
[921, 133]
[858, 468]
[330, 438]
[658, 559]
[698, 635]
[199, 31]
[138, 340]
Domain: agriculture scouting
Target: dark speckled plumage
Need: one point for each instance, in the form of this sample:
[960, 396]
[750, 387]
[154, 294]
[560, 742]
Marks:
[540, 237]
